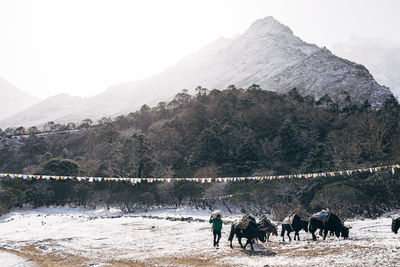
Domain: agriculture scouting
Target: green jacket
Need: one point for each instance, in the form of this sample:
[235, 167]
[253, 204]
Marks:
[217, 224]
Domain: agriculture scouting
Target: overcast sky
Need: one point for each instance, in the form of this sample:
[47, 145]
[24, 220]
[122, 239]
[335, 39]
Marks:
[81, 47]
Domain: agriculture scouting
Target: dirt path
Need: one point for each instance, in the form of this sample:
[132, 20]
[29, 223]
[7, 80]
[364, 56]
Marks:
[38, 258]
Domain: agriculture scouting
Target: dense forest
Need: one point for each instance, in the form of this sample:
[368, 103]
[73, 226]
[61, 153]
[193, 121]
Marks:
[231, 132]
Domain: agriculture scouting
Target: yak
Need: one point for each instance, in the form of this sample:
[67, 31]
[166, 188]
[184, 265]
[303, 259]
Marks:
[251, 230]
[269, 228]
[293, 223]
[395, 224]
[330, 223]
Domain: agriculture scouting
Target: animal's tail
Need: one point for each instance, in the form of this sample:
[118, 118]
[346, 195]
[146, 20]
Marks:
[232, 233]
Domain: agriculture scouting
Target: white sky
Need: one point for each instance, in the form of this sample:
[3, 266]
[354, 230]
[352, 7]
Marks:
[81, 47]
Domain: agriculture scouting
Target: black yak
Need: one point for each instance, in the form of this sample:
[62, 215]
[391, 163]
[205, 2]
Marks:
[395, 224]
[293, 223]
[267, 226]
[248, 229]
[329, 223]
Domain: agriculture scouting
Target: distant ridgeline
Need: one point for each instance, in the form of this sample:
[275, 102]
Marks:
[229, 133]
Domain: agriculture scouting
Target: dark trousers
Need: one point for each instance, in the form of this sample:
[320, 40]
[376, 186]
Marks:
[217, 237]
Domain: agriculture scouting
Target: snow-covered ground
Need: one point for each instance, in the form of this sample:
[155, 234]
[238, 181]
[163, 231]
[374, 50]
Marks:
[8, 259]
[79, 237]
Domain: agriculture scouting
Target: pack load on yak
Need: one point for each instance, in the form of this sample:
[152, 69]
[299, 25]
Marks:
[327, 221]
[244, 221]
[323, 215]
[289, 219]
[293, 223]
[267, 226]
[396, 223]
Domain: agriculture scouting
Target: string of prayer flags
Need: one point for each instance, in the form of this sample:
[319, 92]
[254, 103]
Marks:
[135, 180]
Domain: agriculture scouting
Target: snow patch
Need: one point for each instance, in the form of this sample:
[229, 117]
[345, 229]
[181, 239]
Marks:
[8, 259]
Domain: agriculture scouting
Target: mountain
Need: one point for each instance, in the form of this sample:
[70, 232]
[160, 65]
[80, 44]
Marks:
[380, 56]
[13, 100]
[267, 54]
[61, 108]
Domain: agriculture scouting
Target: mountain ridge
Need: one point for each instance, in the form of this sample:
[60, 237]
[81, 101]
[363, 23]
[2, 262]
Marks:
[267, 54]
[380, 56]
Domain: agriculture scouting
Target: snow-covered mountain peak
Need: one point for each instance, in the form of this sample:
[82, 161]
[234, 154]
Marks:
[268, 25]
[269, 39]
[267, 54]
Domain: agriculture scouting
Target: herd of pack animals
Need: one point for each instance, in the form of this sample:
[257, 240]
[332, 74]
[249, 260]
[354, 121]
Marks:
[326, 221]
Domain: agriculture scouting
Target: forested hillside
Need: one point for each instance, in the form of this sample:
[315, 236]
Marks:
[233, 132]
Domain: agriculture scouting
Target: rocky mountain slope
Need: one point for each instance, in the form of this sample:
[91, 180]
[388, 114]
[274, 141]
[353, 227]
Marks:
[267, 54]
[13, 100]
[381, 57]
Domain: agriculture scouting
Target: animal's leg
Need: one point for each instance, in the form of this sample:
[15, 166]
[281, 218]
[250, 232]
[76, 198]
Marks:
[283, 234]
[288, 234]
[232, 235]
[240, 241]
[251, 244]
[320, 232]
[298, 236]
[268, 236]
[325, 234]
[247, 242]
[312, 231]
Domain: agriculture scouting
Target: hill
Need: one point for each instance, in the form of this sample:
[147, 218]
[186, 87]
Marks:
[216, 133]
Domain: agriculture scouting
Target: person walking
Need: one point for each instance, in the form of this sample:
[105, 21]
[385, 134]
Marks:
[216, 227]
